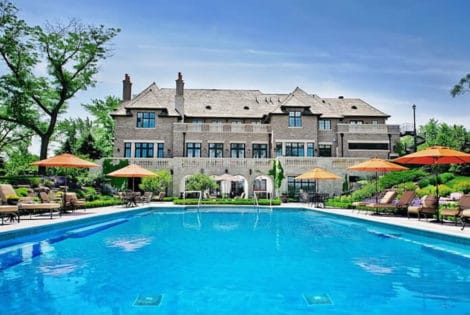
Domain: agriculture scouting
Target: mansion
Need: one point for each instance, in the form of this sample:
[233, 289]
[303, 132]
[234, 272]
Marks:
[240, 132]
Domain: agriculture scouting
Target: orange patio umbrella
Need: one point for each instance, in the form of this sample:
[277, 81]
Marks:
[132, 171]
[65, 160]
[376, 165]
[435, 156]
[317, 174]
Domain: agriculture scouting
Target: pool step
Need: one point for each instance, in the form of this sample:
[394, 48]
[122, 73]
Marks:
[148, 300]
[318, 299]
[90, 229]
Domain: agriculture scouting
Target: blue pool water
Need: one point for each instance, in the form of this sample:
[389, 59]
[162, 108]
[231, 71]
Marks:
[244, 262]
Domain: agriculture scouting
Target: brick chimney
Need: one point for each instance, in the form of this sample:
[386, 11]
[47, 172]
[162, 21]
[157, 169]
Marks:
[179, 96]
[126, 88]
[180, 85]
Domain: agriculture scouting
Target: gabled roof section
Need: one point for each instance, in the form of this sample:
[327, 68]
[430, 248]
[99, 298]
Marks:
[349, 107]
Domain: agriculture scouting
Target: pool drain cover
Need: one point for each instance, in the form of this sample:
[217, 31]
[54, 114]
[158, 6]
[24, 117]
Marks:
[318, 299]
[148, 300]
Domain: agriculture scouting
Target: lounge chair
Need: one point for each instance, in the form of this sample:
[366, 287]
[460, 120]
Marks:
[386, 200]
[10, 212]
[427, 208]
[401, 205]
[464, 203]
[29, 206]
[73, 202]
[5, 191]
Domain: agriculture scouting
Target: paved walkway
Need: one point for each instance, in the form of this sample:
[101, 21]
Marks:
[447, 228]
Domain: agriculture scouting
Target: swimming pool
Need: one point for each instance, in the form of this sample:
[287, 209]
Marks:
[234, 261]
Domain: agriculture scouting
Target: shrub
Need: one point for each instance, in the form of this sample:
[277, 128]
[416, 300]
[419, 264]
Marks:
[428, 190]
[22, 191]
[407, 186]
[445, 177]
[423, 182]
[444, 190]
[394, 178]
[463, 186]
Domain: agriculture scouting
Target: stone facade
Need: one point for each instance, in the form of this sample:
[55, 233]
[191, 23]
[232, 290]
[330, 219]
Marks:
[176, 129]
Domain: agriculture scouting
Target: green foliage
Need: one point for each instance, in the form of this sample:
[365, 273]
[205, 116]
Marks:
[428, 190]
[89, 148]
[22, 191]
[462, 87]
[19, 163]
[435, 133]
[462, 185]
[407, 186]
[110, 165]
[200, 182]
[103, 202]
[277, 173]
[391, 179]
[444, 190]
[103, 125]
[446, 177]
[365, 192]
[345, 184]
[158, 183]
[69, 54]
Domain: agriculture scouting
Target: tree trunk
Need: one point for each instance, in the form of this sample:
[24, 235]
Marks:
[43, 153]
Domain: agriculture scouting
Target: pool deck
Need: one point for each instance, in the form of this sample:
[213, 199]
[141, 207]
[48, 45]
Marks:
[424, 225]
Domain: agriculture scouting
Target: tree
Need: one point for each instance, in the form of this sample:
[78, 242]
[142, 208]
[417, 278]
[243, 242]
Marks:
[12, 136]
[462, 87]
[277, 172]
[200, 182]
[35, 99]
[73, 131]
[89, 148]
[157, 183]
[103, 125]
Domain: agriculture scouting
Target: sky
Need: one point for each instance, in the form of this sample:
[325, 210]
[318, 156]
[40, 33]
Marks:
[391, 54]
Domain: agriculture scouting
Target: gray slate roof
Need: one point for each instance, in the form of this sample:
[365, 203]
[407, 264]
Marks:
[219, 103]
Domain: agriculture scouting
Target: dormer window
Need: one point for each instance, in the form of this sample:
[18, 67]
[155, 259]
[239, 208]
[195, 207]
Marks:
[354, 107]
[246, 108]
[145, 120]
[208, 107]
[295, 119]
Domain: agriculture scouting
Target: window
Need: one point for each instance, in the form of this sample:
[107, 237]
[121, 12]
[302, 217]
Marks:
[260, 184]
[145, 120]
[278, 149]
[324, 150]
[127, 149]
[310, 149]
[294, 186]
[367, 146]
[160, 150]
[193, 149]
[324, 124]
[356, 122]
[295, 119]
[295, 149]
[260, 151]
[216, 150]
[374, 122]
[143, 150]
[237, 150]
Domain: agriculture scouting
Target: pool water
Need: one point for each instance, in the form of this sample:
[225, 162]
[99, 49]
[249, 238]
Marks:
[246, 262]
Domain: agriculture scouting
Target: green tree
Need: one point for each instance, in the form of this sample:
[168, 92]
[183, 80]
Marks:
[462, 87]
[19, 161]
[88, 147]
[12, 136]
[71, 53]
[158, 183]
[277, 173]
[200, 182]
[73, 131]
[103, 124]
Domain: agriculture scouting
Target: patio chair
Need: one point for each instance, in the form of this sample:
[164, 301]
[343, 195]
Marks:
[427, 208]
[147, 197]
[401, 205]
[160, 196]
[464, 216]
[464, 203]
[10, 212]
[386, 200]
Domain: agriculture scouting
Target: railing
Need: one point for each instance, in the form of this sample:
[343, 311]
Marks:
[369, 128]
[222, 128]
